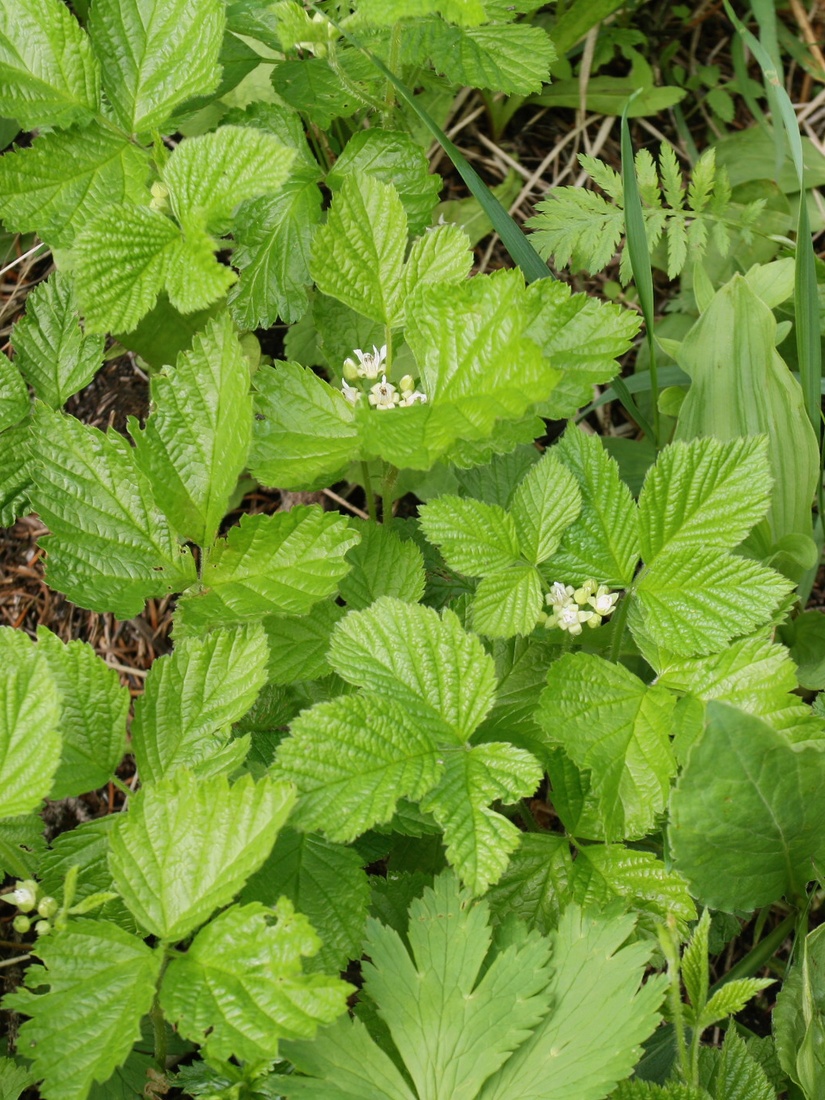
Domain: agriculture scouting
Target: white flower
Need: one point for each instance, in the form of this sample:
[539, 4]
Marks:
[413, 397]
[383, 395]
[369, 362]
[569, 618]
[351, 393]
[24, 896]
[559, 595]
[603, 601]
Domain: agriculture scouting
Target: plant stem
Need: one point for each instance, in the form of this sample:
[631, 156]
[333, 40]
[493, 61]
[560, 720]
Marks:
[159, 1031]
[387, 486]
[526, 815]
[121, 786]
[393, 64]
[619, 623]
[365, 475]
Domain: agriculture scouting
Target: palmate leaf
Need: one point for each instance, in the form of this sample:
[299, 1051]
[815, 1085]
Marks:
[156, 54]
[110, 548]
[196, 440]
[191, 698]
[239, 988]
[187, 846]
[101, 981]
[49, 75]
[61, 182]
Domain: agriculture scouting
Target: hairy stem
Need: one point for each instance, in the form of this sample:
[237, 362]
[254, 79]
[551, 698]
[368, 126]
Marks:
[365, 477]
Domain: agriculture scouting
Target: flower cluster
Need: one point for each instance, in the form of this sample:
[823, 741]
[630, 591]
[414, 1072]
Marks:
[383, 395]
[573, 607]
[28, 899]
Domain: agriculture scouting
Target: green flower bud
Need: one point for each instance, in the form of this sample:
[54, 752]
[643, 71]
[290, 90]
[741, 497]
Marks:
[21, 924]
[43, 928]
[24, 895]
[48, 907]
[350, 370]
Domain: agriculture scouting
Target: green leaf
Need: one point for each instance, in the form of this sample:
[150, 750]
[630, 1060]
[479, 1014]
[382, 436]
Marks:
[693, 600]
[382, 565]
[313, 87]
[603, 872]
[805, 635]
[21, 845]
[196, 440]
[736, 1073]
[438, 673]
[479, 840]
[155, 55]
[358, 255]
[239, 988]
[475, 538]
[746, 824]
[15, 402]
[612, 724]
[208, 176]
[191, 698]
[298, 644]
[383, 13]
[14, 1079]
[509, 602]
[49, 75]
[63, 180]
[173, 887]
[303, 431]
[731, 998]
[110, 549]
[798, 1022]
[15, 473]
[704, 494]
[324, 881]
[441, 255]
[359, 753]
[93, 711]
[544, 505]
[536, 884]
[495, 482]
[30, 741]
[52, 352]
[603, 543]
[86, 848]
[579, 228]
[101, 981]
[273, 236]
[695, 964]
[271, 564]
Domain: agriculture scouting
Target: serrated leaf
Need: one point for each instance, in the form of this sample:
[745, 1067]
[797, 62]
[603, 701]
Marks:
[603, 543]
[271, 564]
[303, 431]
[156, 54]
[637, 1089]
[704, 494]
[209, 175]
[110, 549]
[731, 998]
[544, 505]
[508, 603]
[52, 352]
[478, 840]
[85, 847]
[93, 710]
[468, 13]
[15, 473]
[172, 885]
[358, 255]
[196, 440]
[603, 872]
[577, 228]
[735, 1074]
[496, 481]
[30, 742]
[191, 698]
[475, 538]
[101, 981]
[612, 724]
[382, 565]
[49, 75]
[15, 1078]
[536, 885]
[358, 754]
[693, 600]
[746, 824]
[313, 87]
[15, 402]
[695, 964]
[272, 251]
[298, 644]
[441, 255]
[21, 845]
[426, 662]
[239, 988]
[324, 881]
[61, 181]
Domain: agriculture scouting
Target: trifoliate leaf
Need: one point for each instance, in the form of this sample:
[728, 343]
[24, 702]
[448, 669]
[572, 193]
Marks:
[208, 176]
[603, 543]
[326, 882]
[479, 840]
[62, 180]
[239, 988]
[351, 760]
[612, 724]
[475, 538]
[441, 255]
[509, 602]
[15, 473]
[298, 644]
[603, 872]
[272, 251]
[21, 845]
[172, 886]
[51, 350]
[191, 698]
[693, 601]
[156, 54]
[303, 432]
[746, 824]
[495, 482]
[93, 710]
[196, 440]
[15, 402]
[382, 565]
[269, 565]
[49, 75]
[358, 255]
[426, 662]
[546, 502]
[391, 156]
[110, 549]
[101, 982]
[704, 494]
[29, 716]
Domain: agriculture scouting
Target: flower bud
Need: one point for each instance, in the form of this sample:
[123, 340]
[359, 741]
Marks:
[21, 924]
[43, 928]
[47, 907]
[24, 896]
[350, 370]
[160, 196]
[407, 383]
